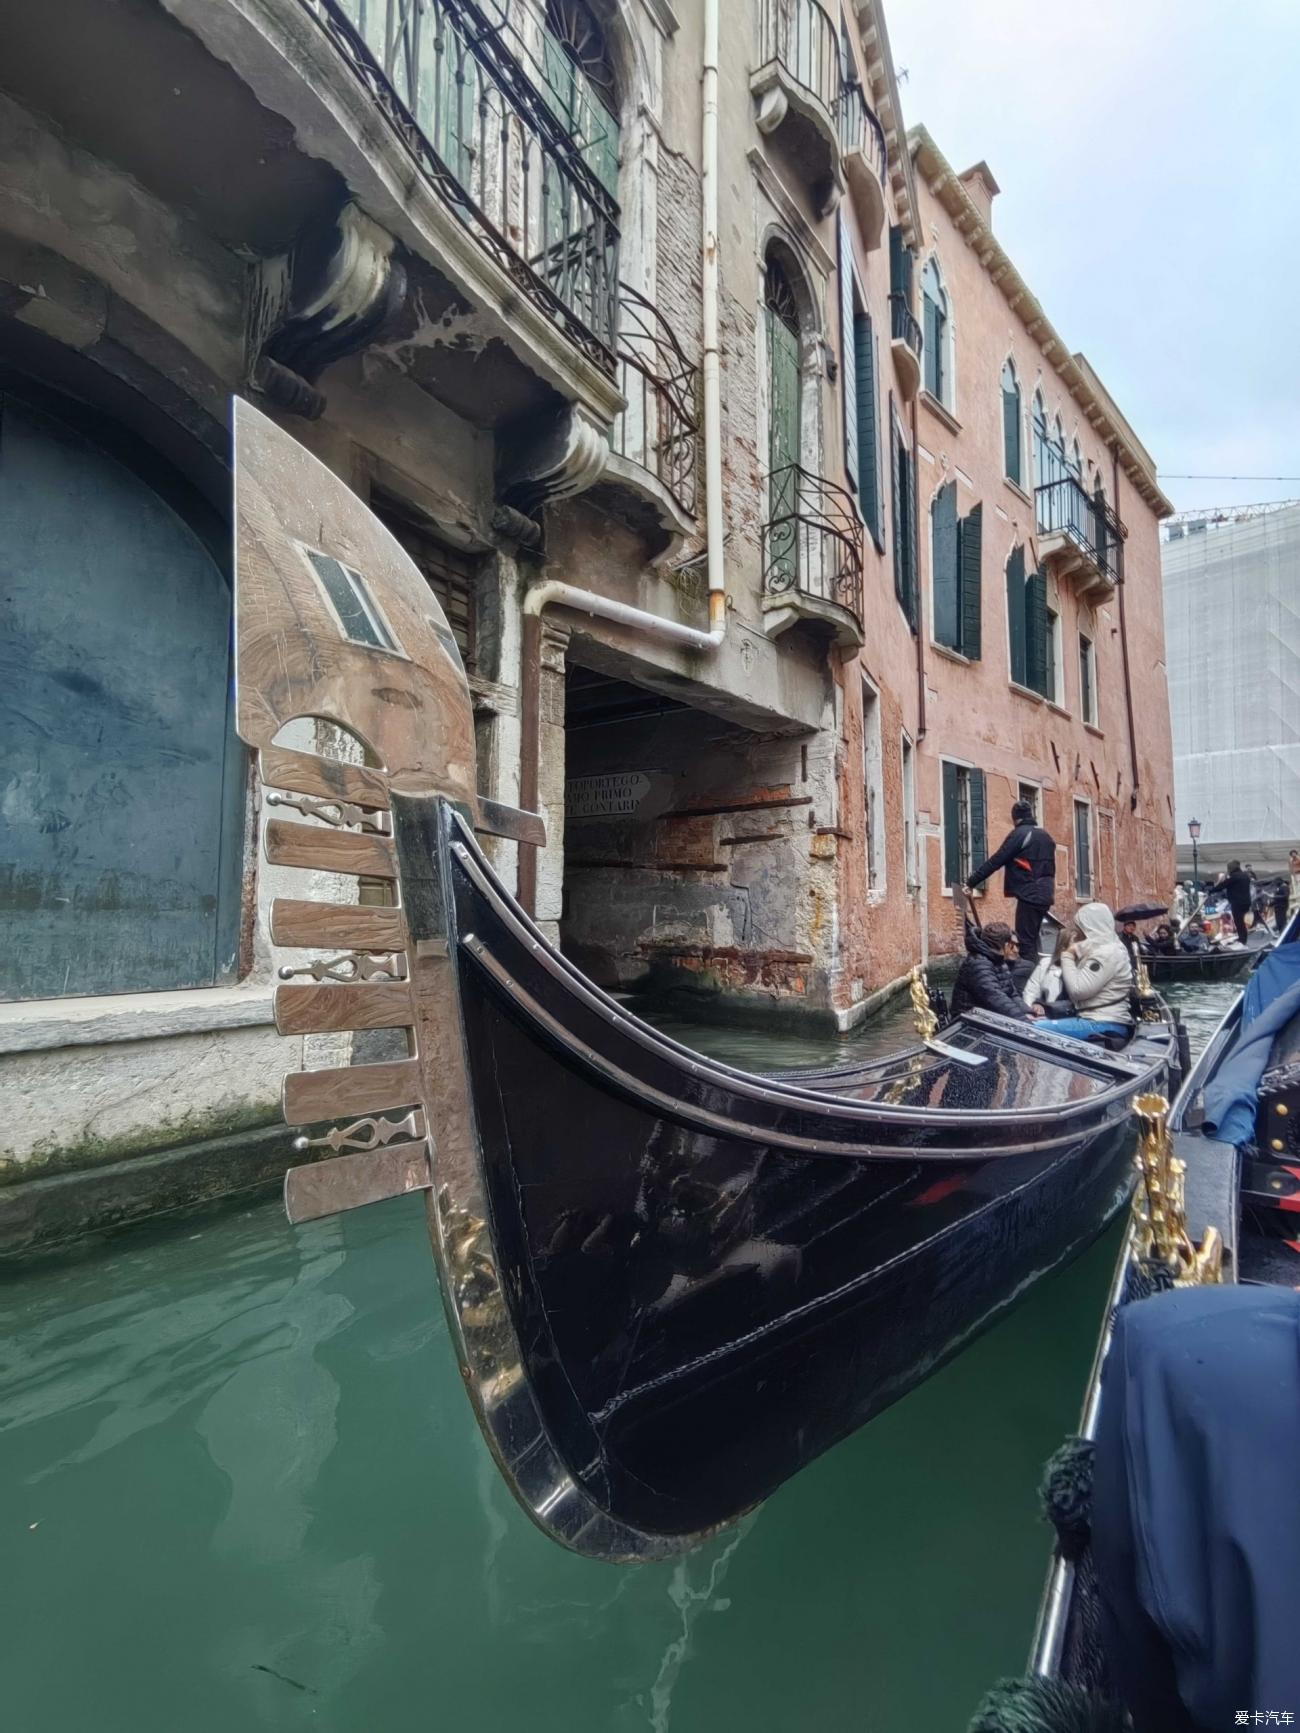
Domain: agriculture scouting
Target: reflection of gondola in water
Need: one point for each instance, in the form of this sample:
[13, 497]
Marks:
[670, 1283]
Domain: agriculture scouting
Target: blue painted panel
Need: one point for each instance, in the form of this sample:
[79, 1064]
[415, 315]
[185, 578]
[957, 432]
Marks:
[117, 773]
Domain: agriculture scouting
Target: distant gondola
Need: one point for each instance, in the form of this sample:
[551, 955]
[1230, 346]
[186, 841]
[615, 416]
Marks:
[671, 1283]
[1201, 965]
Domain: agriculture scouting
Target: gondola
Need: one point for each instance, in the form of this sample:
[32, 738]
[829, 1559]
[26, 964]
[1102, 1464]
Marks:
[1233, 1219]
[1201, 965]
[670, 1283]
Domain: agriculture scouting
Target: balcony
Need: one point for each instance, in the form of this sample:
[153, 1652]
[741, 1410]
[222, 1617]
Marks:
[650, 474]
[812, 556]
[862, 141]
[905, 346]
[495, 152]
[796, 87]
[1079, 537]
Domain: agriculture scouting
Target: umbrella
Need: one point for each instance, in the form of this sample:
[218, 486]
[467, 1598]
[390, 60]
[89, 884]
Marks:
[1142, 912]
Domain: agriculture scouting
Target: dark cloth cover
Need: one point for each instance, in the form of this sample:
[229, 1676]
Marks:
[1029, 857]
[1196, 1516]
[1271, 1000]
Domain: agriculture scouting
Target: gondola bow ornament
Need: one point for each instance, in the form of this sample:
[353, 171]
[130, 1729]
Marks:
[670, 1283]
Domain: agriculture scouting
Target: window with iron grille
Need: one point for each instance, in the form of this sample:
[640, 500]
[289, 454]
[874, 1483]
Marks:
[964, 806]
[450, 573]
[1082, 848]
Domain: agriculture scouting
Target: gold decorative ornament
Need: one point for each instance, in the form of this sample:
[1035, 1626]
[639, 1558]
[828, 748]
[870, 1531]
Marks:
[1159, 1206]
[927, 1024]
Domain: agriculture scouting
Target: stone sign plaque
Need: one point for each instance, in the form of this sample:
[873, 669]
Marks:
[616, 795]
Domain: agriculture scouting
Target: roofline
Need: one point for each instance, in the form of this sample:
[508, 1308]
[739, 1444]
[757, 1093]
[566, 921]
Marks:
[889, 110]
[1075, 371]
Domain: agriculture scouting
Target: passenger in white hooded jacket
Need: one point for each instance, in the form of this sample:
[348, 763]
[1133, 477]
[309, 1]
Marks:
[1098, 976]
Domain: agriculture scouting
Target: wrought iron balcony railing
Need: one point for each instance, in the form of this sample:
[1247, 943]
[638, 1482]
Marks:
[441, 73]
[812, 540]
[799, 36]
[1065, 507]
[659, 429]
[860, 129]
[903, 324]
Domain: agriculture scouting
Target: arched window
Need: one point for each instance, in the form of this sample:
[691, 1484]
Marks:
[784, 417]
[1076, 462]
[934, 350]
[1012, 456]
[581, 84]
[1042, 443]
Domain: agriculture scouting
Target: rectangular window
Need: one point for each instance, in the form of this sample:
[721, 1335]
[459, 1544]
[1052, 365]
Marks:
[963, 821]
[873, 788]
[1029, 630]
[1052, 687]
[1030, 793]
[904, 522]
[955, 554]
[858, 393]
[449, 573]
[1087, 680]
[353, 605]
[911, 868]
[1083, 848]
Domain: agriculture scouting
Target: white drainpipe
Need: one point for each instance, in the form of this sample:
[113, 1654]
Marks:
[551, 590]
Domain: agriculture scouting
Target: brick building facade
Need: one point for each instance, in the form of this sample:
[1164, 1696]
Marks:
[469, 261]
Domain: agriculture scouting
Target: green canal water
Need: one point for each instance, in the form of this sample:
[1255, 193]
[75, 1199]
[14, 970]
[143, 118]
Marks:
[240, 1488]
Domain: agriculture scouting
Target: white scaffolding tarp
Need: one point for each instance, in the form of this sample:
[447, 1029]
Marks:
[1232, 627]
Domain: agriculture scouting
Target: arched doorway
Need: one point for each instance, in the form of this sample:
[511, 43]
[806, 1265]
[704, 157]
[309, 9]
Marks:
[121, 783]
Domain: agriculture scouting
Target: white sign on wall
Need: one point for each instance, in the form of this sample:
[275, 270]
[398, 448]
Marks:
[613, 796]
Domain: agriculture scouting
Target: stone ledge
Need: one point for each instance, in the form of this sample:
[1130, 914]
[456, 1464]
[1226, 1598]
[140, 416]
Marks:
[40, 1213]
[36, 1024]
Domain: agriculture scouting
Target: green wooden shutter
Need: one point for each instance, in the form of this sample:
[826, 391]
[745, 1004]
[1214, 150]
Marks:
[895, 452]
[1049, 662]
[1016, 614]
[944, 562]
[864, 350]
[848, 358]
[952, 873]
[978, 807]
[896, 253]
[1011, 433]
[908, 467]
[970, 586]
[1036, 632]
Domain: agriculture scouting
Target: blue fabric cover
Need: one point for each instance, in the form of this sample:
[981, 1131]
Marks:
[1196, 1518]
[1271, 999]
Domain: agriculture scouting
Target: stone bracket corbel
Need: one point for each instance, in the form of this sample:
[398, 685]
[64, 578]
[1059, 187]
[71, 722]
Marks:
[338, 291]
[565, 456]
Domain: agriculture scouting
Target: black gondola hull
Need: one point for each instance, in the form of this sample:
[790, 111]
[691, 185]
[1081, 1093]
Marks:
[713, 1278]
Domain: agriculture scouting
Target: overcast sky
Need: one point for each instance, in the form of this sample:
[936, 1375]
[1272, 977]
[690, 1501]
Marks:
[1149, 157]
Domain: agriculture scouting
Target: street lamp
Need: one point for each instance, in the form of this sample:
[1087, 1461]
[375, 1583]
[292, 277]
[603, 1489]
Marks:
[1194, 831]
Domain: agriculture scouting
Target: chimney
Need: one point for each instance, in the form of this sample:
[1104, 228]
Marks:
[980, 184]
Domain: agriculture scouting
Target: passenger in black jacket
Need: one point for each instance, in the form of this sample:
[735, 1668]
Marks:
[1029, 856]
[984, 981]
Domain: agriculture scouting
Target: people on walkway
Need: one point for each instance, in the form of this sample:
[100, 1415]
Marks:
[1098, 976]
[1028, 857]
[985, 981]
[1235, 885]
[1281, 900]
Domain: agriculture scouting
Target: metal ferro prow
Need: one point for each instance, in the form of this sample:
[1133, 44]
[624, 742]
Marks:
[340, 644]
[1159, 1206]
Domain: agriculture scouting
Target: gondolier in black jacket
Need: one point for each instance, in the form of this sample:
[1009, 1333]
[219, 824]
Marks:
[1028, 857]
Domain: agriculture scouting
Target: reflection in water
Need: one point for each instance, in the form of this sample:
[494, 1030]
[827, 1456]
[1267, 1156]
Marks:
[241, 1485]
